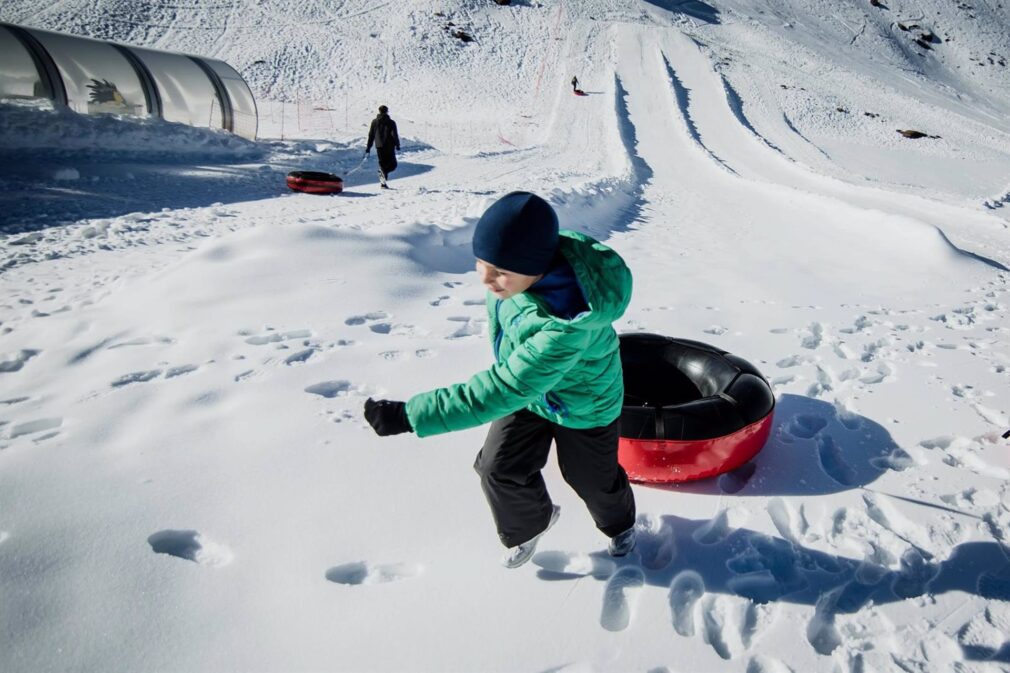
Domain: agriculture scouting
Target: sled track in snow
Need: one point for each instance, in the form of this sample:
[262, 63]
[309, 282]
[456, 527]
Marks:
[792, 127]
[640, 169]
[682, 97]
[736, 107]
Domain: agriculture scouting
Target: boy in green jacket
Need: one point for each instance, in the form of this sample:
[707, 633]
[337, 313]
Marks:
[552, 298]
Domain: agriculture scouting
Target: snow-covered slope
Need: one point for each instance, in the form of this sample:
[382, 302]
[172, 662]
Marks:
[186, 482]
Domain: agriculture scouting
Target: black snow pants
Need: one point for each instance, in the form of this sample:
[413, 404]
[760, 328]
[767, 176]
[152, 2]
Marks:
[387, 161]
[515, 451]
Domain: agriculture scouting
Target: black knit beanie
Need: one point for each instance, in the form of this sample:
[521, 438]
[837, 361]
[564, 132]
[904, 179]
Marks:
[518, 233]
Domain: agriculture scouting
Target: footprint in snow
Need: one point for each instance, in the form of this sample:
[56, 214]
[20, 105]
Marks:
[565, 564]
[832, 460]
[299, 357]
[181, 370]
[721, 526]
[915, 573]
[763, 664]
[657, 542]
[272, 337]
[805, 426]
[791, 361]
[343, 417]
[791, 525]
[331, 389]
[367, 317]
[49, 426]
[822, 634]
[897, 460]
[882, 372]
[686, 590]
[469, 327]
[766, 569]
[842, 351]
[847, 416]
[190, 546]
[715, 625]
[136, 377]
[397, 329]
[361, 572]
[141, 341]
[812, 337]
[620, 597]
[824, 383]
[731, 626]
[15, 361]
[861, 323]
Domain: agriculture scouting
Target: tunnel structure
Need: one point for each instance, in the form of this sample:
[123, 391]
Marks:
[95, 76]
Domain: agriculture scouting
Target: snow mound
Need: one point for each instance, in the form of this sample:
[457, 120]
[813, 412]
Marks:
[28, 129]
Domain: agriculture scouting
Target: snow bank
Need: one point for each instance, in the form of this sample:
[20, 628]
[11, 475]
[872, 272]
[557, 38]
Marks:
[40, 131]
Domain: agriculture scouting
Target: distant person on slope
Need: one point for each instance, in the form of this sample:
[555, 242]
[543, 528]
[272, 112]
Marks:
[575, 83]
[552, 297]
[383, 134]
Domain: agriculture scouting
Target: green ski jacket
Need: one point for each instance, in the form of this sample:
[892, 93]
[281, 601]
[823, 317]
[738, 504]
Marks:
[567, 371]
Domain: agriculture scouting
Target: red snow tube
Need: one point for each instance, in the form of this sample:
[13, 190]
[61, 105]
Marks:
[690, 410]
[315, 182]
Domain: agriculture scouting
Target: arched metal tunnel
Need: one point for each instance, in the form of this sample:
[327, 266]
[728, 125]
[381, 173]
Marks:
[94, 76]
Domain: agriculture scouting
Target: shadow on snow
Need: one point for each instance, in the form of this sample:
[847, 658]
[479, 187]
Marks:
[691, 556]
[813, 449]
[32, 198]
[692, 8]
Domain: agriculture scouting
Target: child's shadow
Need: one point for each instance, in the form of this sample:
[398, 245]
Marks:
[696, 559]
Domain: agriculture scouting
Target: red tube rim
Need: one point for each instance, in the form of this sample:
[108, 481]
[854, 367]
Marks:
[669, 461]
[316, 186]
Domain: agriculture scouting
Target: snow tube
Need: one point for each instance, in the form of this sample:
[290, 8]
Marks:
[580, 92]
[315, 182]
[690, 410]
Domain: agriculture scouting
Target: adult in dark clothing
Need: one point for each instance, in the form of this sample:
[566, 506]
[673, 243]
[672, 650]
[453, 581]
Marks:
[382, 133]
[575, 83]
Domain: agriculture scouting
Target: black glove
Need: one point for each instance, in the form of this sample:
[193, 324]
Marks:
[387, 417]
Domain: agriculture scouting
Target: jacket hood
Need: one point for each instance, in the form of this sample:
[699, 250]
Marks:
[603, 276]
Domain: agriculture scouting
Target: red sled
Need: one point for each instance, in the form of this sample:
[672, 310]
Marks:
[691, 410]
[315, 182]
[580, 92]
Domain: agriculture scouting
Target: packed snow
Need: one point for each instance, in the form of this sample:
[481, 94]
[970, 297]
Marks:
[186, 479]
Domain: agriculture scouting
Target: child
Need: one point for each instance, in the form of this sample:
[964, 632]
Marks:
[552, 297]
